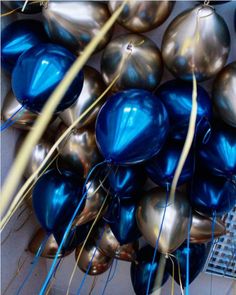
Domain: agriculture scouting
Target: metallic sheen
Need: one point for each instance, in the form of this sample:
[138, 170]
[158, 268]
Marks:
[31, 7]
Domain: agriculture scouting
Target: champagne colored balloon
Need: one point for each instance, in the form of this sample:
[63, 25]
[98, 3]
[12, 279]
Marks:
[224, 94]
[93, 87]
[136, 58]
[142, 16]
[196, 40]
[75, 23]
[100, 262]
[150, 214]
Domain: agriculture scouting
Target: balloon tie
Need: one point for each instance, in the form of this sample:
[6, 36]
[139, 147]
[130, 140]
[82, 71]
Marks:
[110, 277]
[187, 254]
[10, 121]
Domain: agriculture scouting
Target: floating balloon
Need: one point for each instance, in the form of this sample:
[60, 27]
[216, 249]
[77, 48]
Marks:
[38, 72]
[93, 87]
[131, 127]
[176, 95]
[136, 59]
[224, 94]
[198, 41]
[150, 213]
[140, 271]
[74, 24]
[161, 168]
[30, 8]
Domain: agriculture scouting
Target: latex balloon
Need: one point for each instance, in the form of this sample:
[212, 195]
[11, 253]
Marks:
[38, 72]
[30, 8]
[176, 95]
[78, 152]
[161, 168]
[75, 23]
[224, 94]
[93, 87]
[198, 41]
[201, 229]
[131, 127]
[136, 59]
[143, 16]
[211, 194]
[218, 155]
[149, 217]
[19, 37]
[100, 262]
[55, 198]
[140, 271]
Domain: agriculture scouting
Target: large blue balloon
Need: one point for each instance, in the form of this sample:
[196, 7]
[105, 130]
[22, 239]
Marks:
[177, 98]
[38, 72]
[161, 168]
[140, 271]
[55, 198]
[19, 37]
[131, 127]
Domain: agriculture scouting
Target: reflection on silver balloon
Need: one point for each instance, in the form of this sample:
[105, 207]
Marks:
[142, 16]
[224, 94]
[75, 23]
[93, 87]
[149, 217]
[196, 40]
[136, 59]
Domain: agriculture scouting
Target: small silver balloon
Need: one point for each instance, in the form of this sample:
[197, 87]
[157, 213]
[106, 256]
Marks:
[75, 23]
[93, 87]
[136, 59]
[198, 41]
[142, 16]
[224, 94]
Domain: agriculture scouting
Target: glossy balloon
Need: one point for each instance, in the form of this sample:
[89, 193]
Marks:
[140, 271]
[39, 71]
[142, 16]
[131, 127]
[136, 59]
[19, 37]
[196, 40]
[30, 8]
[75, 23]
[224, 94]
[150, 214]
[176, 95]
[55, 198]
[93, 87]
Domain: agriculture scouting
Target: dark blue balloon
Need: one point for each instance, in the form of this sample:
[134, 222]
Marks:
[161, 168]
[140, 271]
[177, 98]
[19, 37]
[131, 127]
[55, 198]
[39, 71]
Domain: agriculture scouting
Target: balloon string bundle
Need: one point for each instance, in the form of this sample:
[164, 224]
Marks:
[14, 117]
[187, 254]
[110, 277]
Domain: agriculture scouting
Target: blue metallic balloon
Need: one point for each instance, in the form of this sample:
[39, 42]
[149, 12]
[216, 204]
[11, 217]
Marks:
[39, 71]
[19, 37]
[131, 127]
[140, 271]
[55, 198]
[161, 168]
[176, 95]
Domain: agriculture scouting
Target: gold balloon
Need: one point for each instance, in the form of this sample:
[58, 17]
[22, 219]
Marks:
[224, 94]
[100, 262]
[149, 217]
[196, 40]
[75, 23]
[136, 59]
[93, 87]
[142, 16]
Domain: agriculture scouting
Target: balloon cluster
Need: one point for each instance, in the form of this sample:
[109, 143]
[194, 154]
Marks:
[101, 168]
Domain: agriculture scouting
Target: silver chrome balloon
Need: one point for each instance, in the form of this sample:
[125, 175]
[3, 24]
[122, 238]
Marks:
[142, 16]
[224, 94]
[196, 40]
[75, 23]
[150, 214]
[136, 59]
